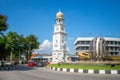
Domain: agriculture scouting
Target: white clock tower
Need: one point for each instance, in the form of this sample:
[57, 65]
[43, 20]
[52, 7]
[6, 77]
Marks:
[59, 39]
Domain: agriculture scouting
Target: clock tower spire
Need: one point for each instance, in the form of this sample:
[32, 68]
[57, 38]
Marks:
[59, 39]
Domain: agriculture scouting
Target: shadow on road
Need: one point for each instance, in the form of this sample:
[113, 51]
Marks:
[16, 67]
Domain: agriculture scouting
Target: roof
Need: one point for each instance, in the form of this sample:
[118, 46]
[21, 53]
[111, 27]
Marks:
[91, 38]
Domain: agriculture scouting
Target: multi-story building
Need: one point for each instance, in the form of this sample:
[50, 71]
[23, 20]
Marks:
[83, 44]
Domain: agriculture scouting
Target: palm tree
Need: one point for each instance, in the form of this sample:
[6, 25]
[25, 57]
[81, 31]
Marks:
[3, 24]
[20, 45]
[12, 37]
[4, 48]
[3, 27]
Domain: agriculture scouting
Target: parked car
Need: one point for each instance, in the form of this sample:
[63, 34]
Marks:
[41, 64]
[31, 63]
[48, 62]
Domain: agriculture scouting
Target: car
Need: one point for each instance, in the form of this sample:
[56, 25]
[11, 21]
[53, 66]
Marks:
[40, 64]
[31, 63]
[47, 62]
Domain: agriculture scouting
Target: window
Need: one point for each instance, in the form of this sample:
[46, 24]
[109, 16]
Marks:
[62, 41]
[119, 43]
[62, 28]
[119, 48]
[87, 48]
[112, 48]
[115, 42]
[107, 42]
[111, 53]
[87, 42]
[82, 42]
[55, 41]
[58, 20]
[116, 49]
[111, 42]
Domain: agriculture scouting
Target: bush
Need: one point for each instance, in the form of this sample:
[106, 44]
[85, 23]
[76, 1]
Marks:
[112, 58]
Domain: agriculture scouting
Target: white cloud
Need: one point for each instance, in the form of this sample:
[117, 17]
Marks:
[45, 44]
[44, 48]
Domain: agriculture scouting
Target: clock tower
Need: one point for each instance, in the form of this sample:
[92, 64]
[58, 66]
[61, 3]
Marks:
[59, 39]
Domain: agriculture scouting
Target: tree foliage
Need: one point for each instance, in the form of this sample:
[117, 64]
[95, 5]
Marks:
[17, 44]
[30, 44]
[3, 39]
[3, 24]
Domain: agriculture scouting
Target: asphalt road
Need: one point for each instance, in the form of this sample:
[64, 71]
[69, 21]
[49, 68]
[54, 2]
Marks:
[45, 74]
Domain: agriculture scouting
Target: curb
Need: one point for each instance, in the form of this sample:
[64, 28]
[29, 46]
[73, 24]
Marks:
[85, 71]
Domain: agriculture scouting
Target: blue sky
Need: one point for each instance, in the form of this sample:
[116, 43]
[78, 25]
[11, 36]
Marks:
[82, 18]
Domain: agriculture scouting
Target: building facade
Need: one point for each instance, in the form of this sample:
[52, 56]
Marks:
[59, 39]
[83, 44]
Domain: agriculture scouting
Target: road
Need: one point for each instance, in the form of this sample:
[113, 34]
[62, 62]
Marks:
[45, 74]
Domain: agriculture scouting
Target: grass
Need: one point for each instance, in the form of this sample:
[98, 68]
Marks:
[93, 67]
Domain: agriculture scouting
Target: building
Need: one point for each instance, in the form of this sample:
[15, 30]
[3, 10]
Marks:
[83, 44]
[59, 39]
[41, 57]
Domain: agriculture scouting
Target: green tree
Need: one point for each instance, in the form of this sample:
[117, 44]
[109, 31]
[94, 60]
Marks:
[3, 27]
[3, 24]
[30, 44]
[13, 41]
[4, 47]
[20, 46]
